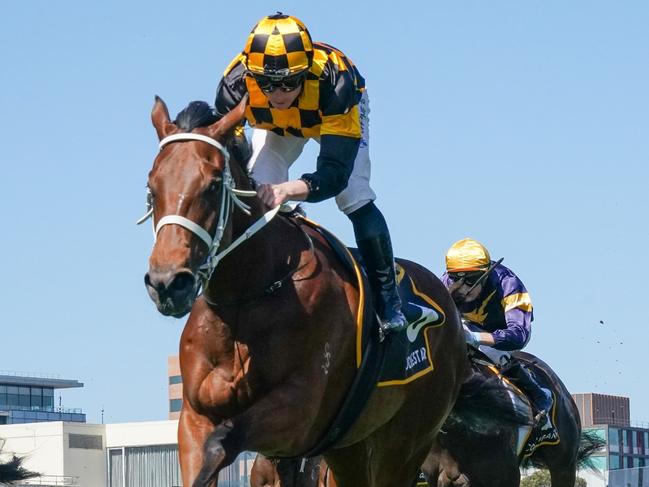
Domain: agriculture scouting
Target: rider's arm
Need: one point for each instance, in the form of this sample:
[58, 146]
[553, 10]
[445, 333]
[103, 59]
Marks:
[231, 89]
[340, 134]
[334, 166]
[517, 307]
[517, 333]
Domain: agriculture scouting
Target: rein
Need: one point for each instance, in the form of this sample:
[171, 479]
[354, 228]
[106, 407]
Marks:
[229, 199]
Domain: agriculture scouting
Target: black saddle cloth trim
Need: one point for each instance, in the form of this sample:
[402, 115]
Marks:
[367, 374]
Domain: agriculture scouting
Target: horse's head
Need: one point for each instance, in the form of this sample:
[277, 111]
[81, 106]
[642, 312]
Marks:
[191, 192]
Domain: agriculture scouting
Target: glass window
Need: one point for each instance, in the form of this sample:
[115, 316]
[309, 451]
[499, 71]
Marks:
[48, 392]
[634, 442]
[613, 440]
[3, 389]
[3, 398]
[628, 442]
[12, 400]
[37, 402]
[613, 461]
[23, 400]
[48, 402]
[12, 390]
[175, 379]
[646, 442]
[37, 391]
[175, 405]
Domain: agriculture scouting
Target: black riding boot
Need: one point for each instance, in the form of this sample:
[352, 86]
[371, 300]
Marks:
[379, 263]
[540, 397]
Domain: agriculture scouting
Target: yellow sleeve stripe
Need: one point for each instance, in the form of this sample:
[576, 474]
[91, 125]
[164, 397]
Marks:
[519, 300]
[347, 124]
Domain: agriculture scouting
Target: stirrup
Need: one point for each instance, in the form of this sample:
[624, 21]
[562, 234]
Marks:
[540, 417]
[394, 325]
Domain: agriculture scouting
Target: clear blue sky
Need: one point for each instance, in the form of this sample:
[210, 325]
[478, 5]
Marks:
[522, 124]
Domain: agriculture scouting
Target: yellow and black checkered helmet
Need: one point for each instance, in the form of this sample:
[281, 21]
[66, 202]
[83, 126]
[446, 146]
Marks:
[467, 255]
[278, 46]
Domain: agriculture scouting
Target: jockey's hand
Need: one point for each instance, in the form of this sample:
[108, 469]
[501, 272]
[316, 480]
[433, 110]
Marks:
[276, 194]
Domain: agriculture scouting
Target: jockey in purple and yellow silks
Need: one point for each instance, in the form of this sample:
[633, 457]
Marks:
[296, 90]
[497, 311]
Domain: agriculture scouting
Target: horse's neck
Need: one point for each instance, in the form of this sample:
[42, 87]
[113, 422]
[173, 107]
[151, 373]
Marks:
[259, 261]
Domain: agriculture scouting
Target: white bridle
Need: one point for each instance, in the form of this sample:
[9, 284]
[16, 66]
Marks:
[229, 197]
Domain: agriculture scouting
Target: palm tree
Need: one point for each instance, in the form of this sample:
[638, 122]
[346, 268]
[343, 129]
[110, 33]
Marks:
[13, 470]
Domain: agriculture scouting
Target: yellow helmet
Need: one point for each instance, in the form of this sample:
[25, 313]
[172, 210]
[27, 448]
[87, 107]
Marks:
[467, 255]
[278, 46]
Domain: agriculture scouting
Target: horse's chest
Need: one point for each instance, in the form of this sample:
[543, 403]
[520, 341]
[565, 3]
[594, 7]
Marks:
[217, 394]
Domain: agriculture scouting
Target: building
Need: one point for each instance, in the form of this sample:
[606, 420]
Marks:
[597, 409]
[175, 387]
[30, 399]
[143, 454]
[624, 461]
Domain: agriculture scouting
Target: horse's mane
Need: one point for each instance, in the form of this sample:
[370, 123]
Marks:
[201, 114]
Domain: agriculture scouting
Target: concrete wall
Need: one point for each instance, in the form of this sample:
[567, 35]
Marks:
[41, 445]
[47, 450]
[89, 465]
[142, 434]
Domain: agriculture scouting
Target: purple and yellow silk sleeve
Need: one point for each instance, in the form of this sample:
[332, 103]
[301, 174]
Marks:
[517, 307]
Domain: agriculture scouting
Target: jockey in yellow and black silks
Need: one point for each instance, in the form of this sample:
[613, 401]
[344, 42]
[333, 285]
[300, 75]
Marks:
[299, 90]
[496, 310]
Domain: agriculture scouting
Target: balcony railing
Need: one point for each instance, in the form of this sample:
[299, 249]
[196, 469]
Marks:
[33, 375]
[51, 481]
[46, 409]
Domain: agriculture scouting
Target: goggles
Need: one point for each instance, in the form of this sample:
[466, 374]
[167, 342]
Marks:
[289, 83]
[470, 278]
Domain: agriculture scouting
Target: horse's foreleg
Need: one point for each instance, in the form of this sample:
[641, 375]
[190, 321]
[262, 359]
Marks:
[215, 456]
[563, 476]
[202, 452]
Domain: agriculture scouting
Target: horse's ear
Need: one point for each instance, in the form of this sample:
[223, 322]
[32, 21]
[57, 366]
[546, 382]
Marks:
[160, 118]
[230, 120]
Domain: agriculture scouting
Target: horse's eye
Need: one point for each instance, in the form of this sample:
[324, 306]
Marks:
[214, 185]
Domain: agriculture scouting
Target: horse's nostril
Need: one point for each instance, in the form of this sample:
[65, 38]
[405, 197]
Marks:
[182, 282]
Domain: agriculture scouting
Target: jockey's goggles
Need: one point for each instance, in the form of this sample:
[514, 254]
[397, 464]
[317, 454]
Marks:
[470, 278]
[286, 84]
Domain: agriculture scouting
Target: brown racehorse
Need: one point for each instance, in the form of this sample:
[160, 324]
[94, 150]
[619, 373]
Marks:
[486, 456]
[273, 332]
[477, 446]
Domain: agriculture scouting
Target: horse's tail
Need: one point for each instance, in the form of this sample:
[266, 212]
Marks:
[484, 407]
[13, 471]
[589, 443]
